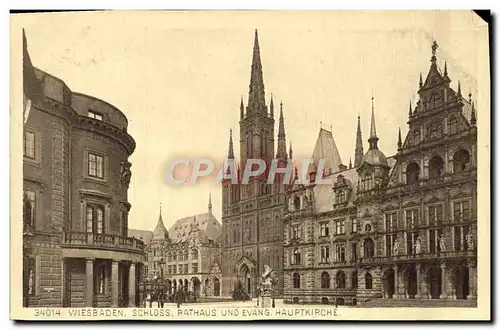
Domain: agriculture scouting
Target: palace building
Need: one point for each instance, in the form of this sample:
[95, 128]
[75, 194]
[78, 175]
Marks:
[398, 227]
[252, 214]
[187, 255]
[76, 174]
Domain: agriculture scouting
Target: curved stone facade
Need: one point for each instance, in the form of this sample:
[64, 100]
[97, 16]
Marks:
[76, 176]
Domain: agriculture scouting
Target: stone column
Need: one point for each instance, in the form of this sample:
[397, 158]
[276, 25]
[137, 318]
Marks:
[114, 283]
[472, 280]
[63, 283]
[89, 283]
[396, 283]
[419, 293]
[444, 280]
[131, 285]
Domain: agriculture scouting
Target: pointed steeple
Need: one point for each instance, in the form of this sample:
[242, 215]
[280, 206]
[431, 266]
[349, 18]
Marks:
[420, 83]
[350, 163]
[210, 202]
[473, 119]
[373, 130]
[445, 69]
[256, 96]
[290, 152]
[400, 143]
[281, 152]
[230, 154]
[271, 106]
[358, 151]
[242, 109]
[459, 89]
[160, 232]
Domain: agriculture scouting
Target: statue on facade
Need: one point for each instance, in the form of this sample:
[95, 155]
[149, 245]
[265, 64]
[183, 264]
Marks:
[418, 245]
[125, 173]
[442, 243]
[395, 247]
[470, 240]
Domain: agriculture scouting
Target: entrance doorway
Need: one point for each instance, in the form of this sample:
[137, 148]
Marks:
[434, 282]
[245, 272]
[389, 283]
[411, 281]
[216, 287]
[461, 282]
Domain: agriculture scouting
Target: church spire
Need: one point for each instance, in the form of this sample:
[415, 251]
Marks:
[400, 143]
[350, 163]
[373, 131]
[242, 109]
[459, 90]
[420, 83]
[230, 154]
[358, 151]
[410, 111]
[281, 152]
[256, 96]
[473, 119]
[271, 106]
[290, 152]
[209, 202]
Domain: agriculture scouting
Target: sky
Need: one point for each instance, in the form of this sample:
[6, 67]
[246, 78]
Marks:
[179, 78]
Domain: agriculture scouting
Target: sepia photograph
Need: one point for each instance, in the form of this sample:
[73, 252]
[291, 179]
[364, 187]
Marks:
[242, 165]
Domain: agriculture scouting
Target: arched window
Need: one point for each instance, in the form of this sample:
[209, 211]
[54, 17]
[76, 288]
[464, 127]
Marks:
[296, 281]
[367, 182]
[296, 203]
[436, 167]
[325, 280]
[296, 256]
[453, 125]
[461, 161]
[194, 254]
[354, 280]
[416, 137]
[368, 281]
[369, 248]
[412, 173]
[340, 279]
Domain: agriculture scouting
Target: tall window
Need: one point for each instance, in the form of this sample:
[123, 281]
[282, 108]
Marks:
[369, 248]
[296, 256]
[412, 173]
[412, 218]
[416, 137]
[96, 166]
[367, 182]
[325, 254]
[95, 219]
[295, 232]
[195, 268]
[31, 276]
[29, 208]
[100, 280]
[235, 235]
[354, 251]
[194, 254]
[29, 145]
[354, 225]
[340, 227]
[340, 253]
[461, 161]
[340, 197]
[354, 280]
[435, 215]
[324, 230]
[453, 125]
[436, 167]
[296, 281]
[325, 280]
[368, 281]
[340, 279]
[461, 211]
[124, 216]
[186, 269]
[95, 115]
[391, 221]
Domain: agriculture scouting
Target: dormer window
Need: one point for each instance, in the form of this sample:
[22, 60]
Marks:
[367, 182]
[340, 197]
[95, 115]
[296, 203]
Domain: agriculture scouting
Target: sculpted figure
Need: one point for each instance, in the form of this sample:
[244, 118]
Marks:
[395, 248]
[418, 245]
[125, 173]
[442, 242]
[470, 240]
[266, 276]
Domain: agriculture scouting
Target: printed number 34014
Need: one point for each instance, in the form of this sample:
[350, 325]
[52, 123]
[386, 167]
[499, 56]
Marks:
[47, 312]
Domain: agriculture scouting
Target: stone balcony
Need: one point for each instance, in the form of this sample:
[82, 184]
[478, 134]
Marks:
[106, 246]
[466, 254]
